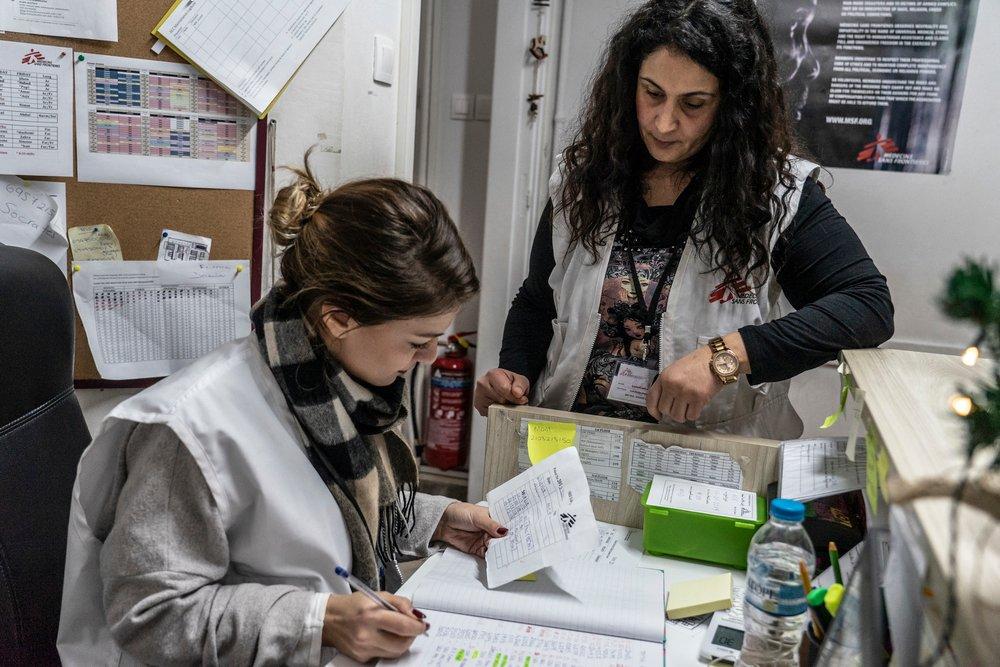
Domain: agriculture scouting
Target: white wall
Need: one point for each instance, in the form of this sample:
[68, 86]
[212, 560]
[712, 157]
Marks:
[368, 126]
[461, 61]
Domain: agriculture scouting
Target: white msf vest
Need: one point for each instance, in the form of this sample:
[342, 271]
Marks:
[700, 307]
[266, 490]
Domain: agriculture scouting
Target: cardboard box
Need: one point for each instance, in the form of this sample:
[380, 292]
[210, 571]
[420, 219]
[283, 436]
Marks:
[606, 446]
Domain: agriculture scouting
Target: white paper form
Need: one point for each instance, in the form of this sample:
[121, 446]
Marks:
[611, 546]
[251, 48]
[25, 211]
[814, 468]
[178, 246]
[51, 242]
[649, 459]
[149, 319]
[36, 109]
[468, 641]
[605, 599]
[600, 453]
[547, 512]
[675, 493]
[158, 123]
[85, 19]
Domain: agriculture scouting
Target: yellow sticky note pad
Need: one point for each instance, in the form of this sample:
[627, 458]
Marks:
[700, 596]
[547, 438]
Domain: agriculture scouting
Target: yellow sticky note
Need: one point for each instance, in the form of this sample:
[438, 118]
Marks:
[94, 242]
[882, 464]
[700, 596]
[531, 576]
[547, 438]
[872, 451]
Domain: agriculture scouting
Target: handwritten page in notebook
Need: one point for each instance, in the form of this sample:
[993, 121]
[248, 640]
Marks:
[598, 598]
[681, 494]
[547, 512]
[481, 642]
[814, 468]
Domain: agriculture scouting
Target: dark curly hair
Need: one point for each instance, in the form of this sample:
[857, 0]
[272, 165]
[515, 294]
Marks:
[738, 168]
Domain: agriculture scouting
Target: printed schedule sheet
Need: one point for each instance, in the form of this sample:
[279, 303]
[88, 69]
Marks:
[149, 319]
[36, 109]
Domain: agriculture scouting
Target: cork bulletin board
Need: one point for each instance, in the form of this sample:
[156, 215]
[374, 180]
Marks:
[233, 219]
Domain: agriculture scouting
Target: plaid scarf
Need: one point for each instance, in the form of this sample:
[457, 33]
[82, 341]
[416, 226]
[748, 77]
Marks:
[368, 468]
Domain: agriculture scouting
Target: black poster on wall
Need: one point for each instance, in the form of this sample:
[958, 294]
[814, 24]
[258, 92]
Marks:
[874, 84]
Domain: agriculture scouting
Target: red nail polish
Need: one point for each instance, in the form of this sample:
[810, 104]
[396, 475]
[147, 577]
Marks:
[419, 614]
[502, 530]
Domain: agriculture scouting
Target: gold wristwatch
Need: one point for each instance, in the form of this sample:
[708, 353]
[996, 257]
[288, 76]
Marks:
[724, 363]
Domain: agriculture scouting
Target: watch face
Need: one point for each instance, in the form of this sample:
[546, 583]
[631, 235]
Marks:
[725, 363]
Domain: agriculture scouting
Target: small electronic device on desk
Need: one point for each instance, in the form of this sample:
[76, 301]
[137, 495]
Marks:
[700, 521]
[724, 637]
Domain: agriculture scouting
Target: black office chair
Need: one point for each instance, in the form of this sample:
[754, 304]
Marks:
[42, 434]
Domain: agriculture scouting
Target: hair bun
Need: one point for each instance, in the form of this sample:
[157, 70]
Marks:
[293, 206]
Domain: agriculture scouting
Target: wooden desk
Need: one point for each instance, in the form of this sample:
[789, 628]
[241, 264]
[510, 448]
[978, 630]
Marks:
[907, 406]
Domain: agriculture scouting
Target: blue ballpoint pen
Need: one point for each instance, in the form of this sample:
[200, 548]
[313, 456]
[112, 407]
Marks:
[363, 588]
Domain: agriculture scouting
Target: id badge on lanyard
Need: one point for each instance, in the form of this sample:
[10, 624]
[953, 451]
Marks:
[631, 383]
[632, 380]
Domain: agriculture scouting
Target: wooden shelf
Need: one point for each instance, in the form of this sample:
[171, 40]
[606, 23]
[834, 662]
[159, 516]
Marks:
[907, 405]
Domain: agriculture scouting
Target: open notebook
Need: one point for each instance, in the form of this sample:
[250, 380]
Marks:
[577, 612]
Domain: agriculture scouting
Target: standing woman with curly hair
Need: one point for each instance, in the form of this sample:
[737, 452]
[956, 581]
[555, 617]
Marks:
[688, 263]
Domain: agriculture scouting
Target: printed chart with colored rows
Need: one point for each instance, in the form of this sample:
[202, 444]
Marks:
[165, 115]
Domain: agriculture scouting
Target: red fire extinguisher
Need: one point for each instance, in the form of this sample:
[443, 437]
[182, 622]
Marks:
[446, 443]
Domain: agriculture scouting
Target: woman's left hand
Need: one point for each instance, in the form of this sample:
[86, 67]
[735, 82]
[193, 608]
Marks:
[468, 527]
[686, 386]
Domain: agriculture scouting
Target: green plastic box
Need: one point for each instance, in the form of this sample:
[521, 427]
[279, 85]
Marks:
[686, 534]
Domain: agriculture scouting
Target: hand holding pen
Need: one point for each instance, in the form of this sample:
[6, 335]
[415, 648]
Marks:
[363, 631]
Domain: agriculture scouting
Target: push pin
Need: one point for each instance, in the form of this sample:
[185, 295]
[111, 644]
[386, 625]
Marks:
[76, 267]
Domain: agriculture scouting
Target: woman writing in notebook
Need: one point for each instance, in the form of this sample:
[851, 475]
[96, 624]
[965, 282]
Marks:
[213, 509]
[688, 264]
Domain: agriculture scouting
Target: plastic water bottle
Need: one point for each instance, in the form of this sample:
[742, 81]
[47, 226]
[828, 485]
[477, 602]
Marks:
[775, 609]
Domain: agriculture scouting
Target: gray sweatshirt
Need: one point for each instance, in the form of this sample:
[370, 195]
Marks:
[165, 553]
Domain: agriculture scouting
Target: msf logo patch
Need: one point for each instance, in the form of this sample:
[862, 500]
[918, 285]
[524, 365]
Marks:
[736, 291]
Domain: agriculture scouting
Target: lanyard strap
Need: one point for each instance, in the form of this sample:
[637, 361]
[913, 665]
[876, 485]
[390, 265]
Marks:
[648, 311]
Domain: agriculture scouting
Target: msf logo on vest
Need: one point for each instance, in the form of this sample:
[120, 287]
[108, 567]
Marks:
[735, 291]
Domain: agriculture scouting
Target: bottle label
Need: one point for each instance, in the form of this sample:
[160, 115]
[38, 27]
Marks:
[775, 591]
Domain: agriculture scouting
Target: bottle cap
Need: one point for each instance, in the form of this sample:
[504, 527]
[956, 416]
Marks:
[787, 510]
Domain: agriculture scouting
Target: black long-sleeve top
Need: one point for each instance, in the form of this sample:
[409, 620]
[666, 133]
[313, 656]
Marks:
[842, 300]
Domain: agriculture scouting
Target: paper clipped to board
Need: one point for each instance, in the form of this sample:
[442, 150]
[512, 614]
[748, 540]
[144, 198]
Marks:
[178, 246]
[52, 241]
[89, 19]
[547, 512]
[25, 211]
[150, 122]
[817, 467]
[149, 319]
[681, 494]
[36, 109]
[213, 35]
[94, 243]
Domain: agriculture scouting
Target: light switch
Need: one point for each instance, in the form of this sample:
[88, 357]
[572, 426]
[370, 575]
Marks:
[463, 106]
[483, 104]
[385, 60]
